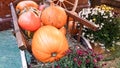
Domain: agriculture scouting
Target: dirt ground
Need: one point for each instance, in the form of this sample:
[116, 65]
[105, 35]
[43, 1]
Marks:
[112, 64]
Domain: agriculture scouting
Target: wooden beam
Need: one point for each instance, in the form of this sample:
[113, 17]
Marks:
[19, 36]
[2, 20]
[85, 22]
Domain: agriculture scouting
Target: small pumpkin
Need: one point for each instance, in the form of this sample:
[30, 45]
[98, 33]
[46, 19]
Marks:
[63, 30]
[54, 15]
[26, 4]
[72, 28]
[71, 18]
[42, 7]
[30, 20]
[49, 44]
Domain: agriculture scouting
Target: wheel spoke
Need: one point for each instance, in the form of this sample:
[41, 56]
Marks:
[57, 2]
[75, 5]
[64, 5]
[69, 2]
[54, 0]
[61, 4]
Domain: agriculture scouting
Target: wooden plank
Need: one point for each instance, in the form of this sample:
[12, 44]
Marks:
[23, 59]
[4, 7]
[2, 20]
[85, 22]
[19, 36]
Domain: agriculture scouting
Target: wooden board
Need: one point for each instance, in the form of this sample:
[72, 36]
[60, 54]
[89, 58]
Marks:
[4, 8]
[5, 14]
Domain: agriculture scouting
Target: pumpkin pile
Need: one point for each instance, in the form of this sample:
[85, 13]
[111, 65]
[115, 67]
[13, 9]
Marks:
[49, 42]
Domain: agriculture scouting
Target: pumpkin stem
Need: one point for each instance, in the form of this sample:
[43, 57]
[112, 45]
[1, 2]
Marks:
[54, 54]
[38, 13]
[24, 10]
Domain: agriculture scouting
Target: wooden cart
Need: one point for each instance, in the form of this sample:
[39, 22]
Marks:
[23, 43]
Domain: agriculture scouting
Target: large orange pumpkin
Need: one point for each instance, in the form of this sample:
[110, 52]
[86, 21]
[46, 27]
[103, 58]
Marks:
[49, 44]
[54, 15]
[26, 4]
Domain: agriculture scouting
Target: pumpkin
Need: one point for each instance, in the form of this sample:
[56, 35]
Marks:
[29, 20]
[63, 30]
[71, 18]
[49, 44]
[42, 7]
[25, 4]
[72, 27]
[54, 15]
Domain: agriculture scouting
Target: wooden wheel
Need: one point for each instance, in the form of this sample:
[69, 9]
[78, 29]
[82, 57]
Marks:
[70, 5]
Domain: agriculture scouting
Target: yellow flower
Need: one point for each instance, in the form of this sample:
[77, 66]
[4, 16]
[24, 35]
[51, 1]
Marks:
[105, 8]
[94, 19]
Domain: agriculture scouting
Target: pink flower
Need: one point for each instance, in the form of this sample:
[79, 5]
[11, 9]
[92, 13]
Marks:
[93, 54]
[79, 62]
[87, 60]
[69, 51]
[75, 59]
[80, 52]
[100, 57]
[94, 60]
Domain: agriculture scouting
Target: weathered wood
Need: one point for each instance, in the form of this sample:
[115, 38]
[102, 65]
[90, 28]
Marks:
[5, 23]
[80, 32]
[4, 8]
[19, 36]
[23, 59]
[115, 3]
[85, 22]
[2, 20]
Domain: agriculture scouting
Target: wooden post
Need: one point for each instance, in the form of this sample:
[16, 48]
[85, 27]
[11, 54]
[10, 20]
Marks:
[19, 36]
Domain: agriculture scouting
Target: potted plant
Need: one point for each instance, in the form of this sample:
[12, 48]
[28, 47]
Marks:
[109, 25]
[79, 58]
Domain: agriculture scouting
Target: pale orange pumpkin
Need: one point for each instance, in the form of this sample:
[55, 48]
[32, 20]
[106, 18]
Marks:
[54, 15]
[49, 44]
